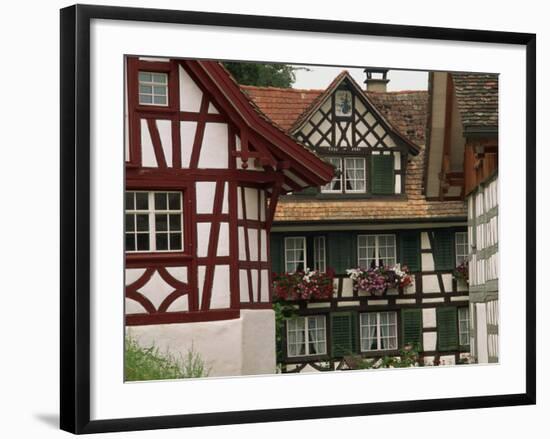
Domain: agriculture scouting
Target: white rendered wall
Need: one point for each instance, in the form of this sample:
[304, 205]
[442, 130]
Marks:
[243, 346]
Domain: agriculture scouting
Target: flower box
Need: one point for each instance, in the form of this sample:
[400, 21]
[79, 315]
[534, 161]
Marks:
[306, 285]
[378, 281]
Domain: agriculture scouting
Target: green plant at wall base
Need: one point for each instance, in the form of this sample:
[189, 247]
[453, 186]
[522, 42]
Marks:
[283, 311]
[147, 364]
[408, 357]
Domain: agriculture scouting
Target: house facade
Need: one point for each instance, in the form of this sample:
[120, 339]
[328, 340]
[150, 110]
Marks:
[374, 213]
[204, 172]
[463, 158]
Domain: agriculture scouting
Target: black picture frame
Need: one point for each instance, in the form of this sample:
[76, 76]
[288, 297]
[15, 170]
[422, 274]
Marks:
[75, 217]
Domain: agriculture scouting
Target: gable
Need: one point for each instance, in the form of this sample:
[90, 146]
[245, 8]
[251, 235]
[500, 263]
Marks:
[345, 121]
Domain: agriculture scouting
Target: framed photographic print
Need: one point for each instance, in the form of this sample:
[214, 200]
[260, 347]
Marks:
[256, 204]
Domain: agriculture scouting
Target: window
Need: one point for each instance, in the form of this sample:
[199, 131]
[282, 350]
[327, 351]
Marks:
[306, 336]
[319, 260]
[355, 174]
[351, 171]
[378, 331]
[461, 247]
[153, 88]
[295, 254]
[336, 184]
[463, 326]
[376, 250]
[153, 221]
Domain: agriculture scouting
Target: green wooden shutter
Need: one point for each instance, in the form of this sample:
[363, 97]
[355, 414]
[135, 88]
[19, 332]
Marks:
[410, 250]
[447, 337]
[276, 250]
[342, 251]
[411, 323]
[444, 255]
[382, 174]
[343, 333]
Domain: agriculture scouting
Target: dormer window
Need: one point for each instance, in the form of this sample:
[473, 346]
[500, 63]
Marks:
[153, 88]
[350, 178]
[343, 103]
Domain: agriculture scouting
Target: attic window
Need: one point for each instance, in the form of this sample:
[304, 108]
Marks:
[153, 88]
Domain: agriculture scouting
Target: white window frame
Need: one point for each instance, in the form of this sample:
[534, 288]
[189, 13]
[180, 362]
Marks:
[342, 178]
[306, 342]
[363, 323]
[377, 249]
[460, 247]
[151, 212]
[463, 326]
[287, 250]
[319, 253]
[152, 84]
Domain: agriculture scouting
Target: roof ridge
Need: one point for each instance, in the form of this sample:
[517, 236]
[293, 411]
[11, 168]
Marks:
[297, 90]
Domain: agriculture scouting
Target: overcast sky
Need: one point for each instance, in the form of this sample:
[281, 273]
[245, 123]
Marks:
[321, 77]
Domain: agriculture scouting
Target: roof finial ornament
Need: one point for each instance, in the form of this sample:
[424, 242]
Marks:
[376, 79]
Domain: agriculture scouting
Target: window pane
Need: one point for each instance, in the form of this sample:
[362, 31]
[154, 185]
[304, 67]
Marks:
[142, 223]
[160, 77]
[147, 89]
[161, 223]
[130, 242]
[159, 90]
[162, 241]
[129, 201]
[144, 77]
[175, 241]
[175, 223]
[142, 201]
[129, 223]
[142, 241]
[160, 201]
[145, 99]
[174, 200]
[159, 99]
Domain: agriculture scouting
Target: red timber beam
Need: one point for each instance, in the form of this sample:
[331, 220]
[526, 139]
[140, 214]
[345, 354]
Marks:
[273, 200]
[247, 246]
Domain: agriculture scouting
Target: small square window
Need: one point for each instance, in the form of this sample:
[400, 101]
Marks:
[153, 88]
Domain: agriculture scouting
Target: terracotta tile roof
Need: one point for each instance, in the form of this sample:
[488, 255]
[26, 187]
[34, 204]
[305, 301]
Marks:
[477, 98]
[406, 110]
[282, 105]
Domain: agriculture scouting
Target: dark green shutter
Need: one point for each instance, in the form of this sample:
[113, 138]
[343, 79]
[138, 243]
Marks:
[444, 255]
[411, 323]
[447, 337]
[343, 333]
[410, 250]
[342, 251]
[277, 255]
[382, 174]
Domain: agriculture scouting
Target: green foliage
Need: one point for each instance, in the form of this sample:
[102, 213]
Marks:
[408, 357]
[146, 364]
[262, 75]
[283, 311]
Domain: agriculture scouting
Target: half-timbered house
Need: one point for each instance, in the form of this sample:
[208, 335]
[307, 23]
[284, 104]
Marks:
[204, 171]
[463, 159]
[374, 212]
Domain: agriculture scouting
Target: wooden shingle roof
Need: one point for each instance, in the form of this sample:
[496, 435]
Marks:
[477, 98]
[407, 113]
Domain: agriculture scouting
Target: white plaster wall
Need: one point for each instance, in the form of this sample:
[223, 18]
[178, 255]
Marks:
[212, 109]
[425, 241]
[447, 282]
[429, 318]
[178, 273]
[258, 343]
[214, 150]
[398, 184]
[133, 307]
[264, 293]
[156, 290]
[481, 336]
[430, 283]
[187, 137]
[180, 304]
[253, 244]
[243, 286]
[427, 262]
[223, 240]
[132, 274]
[203, 232]
[429, 341]
[190, 93]
[165, 133]
[148, 158]
[205, 196]
[221, 294]
[242, 244]
[347, 287]
[251, 200]
[263, 249]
